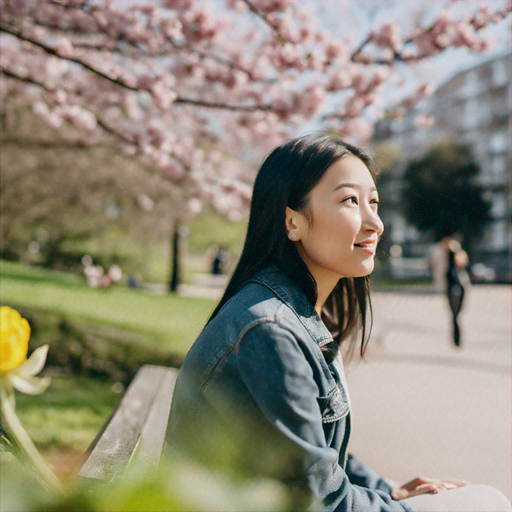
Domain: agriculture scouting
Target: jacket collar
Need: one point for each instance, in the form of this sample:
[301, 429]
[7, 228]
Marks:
[291, 294]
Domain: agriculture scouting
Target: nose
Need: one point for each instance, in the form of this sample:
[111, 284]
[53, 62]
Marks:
[372, 221]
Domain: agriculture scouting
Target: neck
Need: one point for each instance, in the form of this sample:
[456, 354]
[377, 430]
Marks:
[325, 281]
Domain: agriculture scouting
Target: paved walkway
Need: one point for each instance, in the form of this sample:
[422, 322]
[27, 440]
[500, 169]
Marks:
[421, 406]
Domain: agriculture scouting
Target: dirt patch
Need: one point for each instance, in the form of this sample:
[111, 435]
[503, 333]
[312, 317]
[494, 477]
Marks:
[65, 463]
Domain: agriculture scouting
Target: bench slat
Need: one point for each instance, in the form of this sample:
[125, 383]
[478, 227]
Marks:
[152, 438]
[114, 447]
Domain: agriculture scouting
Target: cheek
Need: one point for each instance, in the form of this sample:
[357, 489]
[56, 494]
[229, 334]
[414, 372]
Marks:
[335, 233]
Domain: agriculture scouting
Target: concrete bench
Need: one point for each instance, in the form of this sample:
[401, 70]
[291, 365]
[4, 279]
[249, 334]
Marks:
[136, 430]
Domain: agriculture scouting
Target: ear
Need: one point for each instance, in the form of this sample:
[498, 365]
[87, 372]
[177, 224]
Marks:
[293, 224]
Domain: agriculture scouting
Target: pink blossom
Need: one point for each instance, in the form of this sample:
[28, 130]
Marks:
[336, 50]
[353, 106]
[179, 5]
[237, 5]
[162, 92]
[115, 273]
[145, 202]
[359, 81]
[273, 6]
[338, 81]
[64, 47]
[424, 121]
[194, 206]
[357, 129]
[173, 170]
[288, 56]
[388, 36]
[172, 28]
[310, 101]
[145, 82]
[315, 60]
[199, 25]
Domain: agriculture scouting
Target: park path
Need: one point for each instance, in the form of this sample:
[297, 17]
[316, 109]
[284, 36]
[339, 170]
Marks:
[423, 407]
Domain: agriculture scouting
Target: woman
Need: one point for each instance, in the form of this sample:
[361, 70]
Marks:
[262, 391]
[457, 261]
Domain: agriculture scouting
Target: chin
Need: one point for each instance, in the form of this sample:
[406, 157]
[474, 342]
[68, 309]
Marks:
[365, 271]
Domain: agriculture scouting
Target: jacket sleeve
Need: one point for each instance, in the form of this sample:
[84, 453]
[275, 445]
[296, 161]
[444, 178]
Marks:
[360, 474]
[277, 374]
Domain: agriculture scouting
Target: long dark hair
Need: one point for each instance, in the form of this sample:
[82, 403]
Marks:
[286, 178]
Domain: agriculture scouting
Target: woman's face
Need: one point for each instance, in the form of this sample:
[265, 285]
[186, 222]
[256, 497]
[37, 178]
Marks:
[341, 236]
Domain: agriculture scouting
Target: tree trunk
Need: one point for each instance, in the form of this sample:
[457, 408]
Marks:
[175, 258]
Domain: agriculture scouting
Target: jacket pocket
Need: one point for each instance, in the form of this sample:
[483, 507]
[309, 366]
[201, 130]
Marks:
[334, 405]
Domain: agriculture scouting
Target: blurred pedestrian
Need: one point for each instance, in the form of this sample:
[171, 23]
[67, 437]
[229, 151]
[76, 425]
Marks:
[134, 281]
[219, 260]
[115, 273]
[456, 281]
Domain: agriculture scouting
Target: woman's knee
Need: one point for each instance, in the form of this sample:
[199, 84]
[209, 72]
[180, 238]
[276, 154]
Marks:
[490, 498]
[471, 498]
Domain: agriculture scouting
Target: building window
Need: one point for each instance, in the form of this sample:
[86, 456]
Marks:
[499, 72]
[498, 205]
[499, 165]
[498, 142]
[471, 114]
[499, 235]
[471, 85]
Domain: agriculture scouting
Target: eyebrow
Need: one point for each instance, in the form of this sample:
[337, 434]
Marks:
[352, 185]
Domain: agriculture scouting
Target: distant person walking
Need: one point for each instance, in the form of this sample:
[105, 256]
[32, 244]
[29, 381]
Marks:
[456, 279]
[219, 261]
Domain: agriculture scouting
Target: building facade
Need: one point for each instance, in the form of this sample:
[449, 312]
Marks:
[473, 107]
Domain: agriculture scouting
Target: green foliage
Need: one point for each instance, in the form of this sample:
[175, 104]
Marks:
[63, 194]
[440, 195]
[20, 489]
[210, 228]
[176, 486]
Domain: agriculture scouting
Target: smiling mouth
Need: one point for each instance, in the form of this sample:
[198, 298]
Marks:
[369, 248]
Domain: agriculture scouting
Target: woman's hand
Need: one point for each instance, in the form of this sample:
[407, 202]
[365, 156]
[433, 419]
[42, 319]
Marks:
[421, 485]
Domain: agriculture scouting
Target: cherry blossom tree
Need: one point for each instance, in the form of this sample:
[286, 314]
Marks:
[194, 88]
[54, 192]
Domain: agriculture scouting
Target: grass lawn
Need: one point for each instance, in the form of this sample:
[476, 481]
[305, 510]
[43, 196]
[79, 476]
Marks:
[65, 419]
[69, 413]
[72, 410]
[172, 321]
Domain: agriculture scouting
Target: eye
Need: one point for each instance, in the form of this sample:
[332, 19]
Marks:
[351, 199]
[375, 202]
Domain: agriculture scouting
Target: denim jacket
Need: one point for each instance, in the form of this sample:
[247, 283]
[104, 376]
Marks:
[255, 394]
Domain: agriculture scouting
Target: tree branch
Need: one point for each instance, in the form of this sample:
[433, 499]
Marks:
[122, 83]
[53, 52]
[398, 55]
[224, 106]
[26, 142]
[265, 20]
[26, 79]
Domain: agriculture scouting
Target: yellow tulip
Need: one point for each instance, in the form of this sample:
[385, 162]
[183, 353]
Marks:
[18, 372]
[14, 336]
